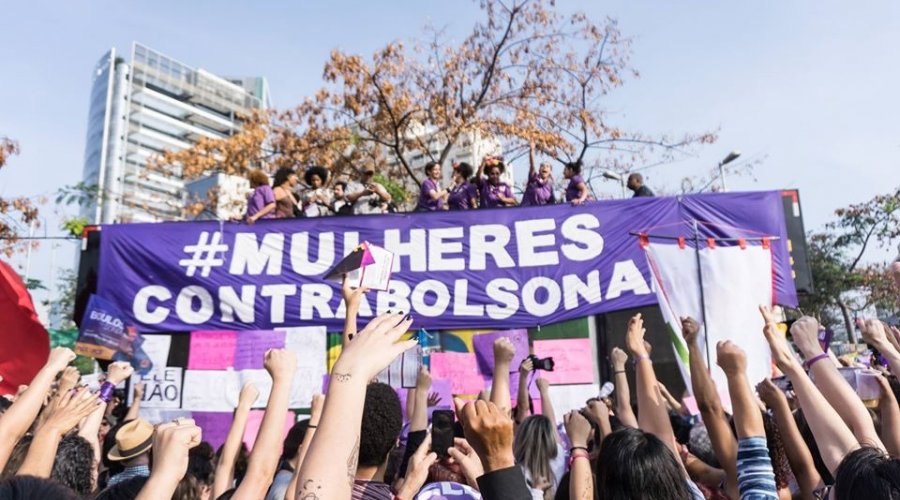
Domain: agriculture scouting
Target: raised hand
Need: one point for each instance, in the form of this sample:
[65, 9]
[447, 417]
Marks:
[504, 351]
[634, 337]
[72, 407]
[525, 367]
[468, 460]
[417, 470]
[119, 372]
[873, 332]
[690, 329]
[805, 332]
[352, 295]
[770, 394]
[489, 431]
[248, 396]
[598, 412]
[373, 348]
[69, 379]
[139, 389]
[281, 364]
[171, 443]
[542, 384]
[619, 358]
[423, 379]
[318, 402]
[434, 399]
[60, 357]
[577, 428]
[731, 358]
[782, 353]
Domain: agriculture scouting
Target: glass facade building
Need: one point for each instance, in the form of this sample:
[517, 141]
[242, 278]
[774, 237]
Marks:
[141, 108]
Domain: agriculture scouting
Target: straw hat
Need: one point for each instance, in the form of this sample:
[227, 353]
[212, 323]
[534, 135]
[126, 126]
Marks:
[132, 439]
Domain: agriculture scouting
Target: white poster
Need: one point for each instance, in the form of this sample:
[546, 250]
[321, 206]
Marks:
[162, 388]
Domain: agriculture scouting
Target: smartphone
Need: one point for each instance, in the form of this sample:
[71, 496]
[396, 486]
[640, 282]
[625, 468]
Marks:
[442, 432]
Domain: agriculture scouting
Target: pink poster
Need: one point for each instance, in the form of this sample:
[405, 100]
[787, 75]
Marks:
[460, 368]
[572, 358]
[254, 421]
[212, 350]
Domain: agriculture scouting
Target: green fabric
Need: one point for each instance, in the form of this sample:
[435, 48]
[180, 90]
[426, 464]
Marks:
[573, 329]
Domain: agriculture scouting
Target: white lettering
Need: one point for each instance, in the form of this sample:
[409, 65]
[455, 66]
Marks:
[251, 258]
[438, 247]
[230, 304]
[626, 278]
[460, 299]
[586, 243]
[414, 249]
[395, 299]
[528, 242]
[530, 296]
[184, 305]
[589, 290]
[441, 302]
[489, 239]
[141, 305]
[501, 290]
[300, 258]
[315, 297]
[277, 293]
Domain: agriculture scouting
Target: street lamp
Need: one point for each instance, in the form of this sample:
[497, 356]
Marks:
[609, 174]
[728, 159]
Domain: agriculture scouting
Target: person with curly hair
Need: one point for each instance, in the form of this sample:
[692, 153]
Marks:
[316, 200]
[494, 192]
[74, 464]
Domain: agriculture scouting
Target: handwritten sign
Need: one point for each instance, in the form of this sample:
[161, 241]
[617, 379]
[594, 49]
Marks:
[209, 390]
[572, 357]
[460, 368]
[402, 372]
[212, 350]
[310, 346]
[254, 422]
[162, 388]
[484, 348]
[251, 347]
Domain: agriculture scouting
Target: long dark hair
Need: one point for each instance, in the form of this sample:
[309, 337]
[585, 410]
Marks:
[867, 473]
[637, 464]
[282, 175]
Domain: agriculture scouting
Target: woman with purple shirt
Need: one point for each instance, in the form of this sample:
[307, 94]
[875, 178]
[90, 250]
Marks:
[261, 204]
[576, 191]
[539, 190]
[431, 197]
[464, 194]
[494, 192]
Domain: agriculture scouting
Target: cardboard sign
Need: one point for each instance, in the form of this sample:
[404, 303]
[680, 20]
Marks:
[162, 388]
[460, 368]
[212, 350]
[572, 357]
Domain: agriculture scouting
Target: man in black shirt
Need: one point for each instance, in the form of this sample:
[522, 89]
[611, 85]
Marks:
[636, 184]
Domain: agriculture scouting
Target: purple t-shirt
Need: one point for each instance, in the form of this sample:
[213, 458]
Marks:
[426, 202]
[537, 192]
[572, 191]
[461, 196]
[490, 194]
[262, 196]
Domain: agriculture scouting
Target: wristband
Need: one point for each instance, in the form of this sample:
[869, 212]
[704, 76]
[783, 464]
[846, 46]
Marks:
[311, 426]
[106, 391]
[637, 359]
[811, 361]
[618, 372]
[575, 448]
[573, 458]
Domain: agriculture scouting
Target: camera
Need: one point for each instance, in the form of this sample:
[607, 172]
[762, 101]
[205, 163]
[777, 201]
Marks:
[545, 364]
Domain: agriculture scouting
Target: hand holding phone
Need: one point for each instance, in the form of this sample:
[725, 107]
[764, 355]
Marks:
[442, 432]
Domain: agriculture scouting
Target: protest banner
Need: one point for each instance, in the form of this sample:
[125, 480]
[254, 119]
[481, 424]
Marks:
[102, 331]
[453, 270]
[162, 388]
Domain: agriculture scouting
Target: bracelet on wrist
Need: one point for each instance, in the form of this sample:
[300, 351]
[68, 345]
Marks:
[638, 359]
[618, 372]
[573, 458]
[576, 448]
[312, 426]
[813, 360]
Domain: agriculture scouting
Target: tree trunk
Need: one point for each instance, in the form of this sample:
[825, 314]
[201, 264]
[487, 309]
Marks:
[848, 321]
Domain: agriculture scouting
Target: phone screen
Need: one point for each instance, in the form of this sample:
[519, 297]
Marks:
[442, 432]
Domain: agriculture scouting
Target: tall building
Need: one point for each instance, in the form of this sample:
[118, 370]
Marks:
[141, 108]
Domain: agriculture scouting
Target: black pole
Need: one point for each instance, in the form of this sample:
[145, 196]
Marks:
[702, 295]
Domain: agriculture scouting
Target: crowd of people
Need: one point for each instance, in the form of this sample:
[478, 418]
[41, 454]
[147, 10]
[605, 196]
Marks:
[805, 435]
[319, 195]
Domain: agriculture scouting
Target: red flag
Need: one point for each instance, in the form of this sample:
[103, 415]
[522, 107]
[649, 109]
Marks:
[24, 342]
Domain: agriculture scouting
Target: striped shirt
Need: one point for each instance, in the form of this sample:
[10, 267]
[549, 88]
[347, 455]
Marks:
[756, 479]
[371, 490]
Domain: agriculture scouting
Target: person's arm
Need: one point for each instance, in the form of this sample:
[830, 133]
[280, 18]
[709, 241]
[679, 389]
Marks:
[489, 431]
[841, 396]
[582, 194]
[14, 423]
[504, 352]
[623, 392]
[417, 470]
[710, 406]
[418, 419]
[798, 454]
[352, 298]
[890, 417]
[581, 481]
[468, 461]
[172, 443]
[135, 407]
[381, 192]
[833, 437]
[652, 415]
[315, 414]
[531, 169]
[507, 197]
[263, 462]
[673, 403]
[523, 399]
[72, 407]
[702, 473]
[599, 414]
[330, 464]
[546, 403]
[224, 476]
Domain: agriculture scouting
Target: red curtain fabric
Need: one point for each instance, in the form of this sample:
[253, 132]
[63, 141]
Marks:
[24, 342]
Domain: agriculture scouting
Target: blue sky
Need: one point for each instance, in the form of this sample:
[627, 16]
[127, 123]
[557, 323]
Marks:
[809, 86]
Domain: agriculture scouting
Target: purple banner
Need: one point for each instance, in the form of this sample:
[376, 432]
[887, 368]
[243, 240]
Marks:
[499, 268]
